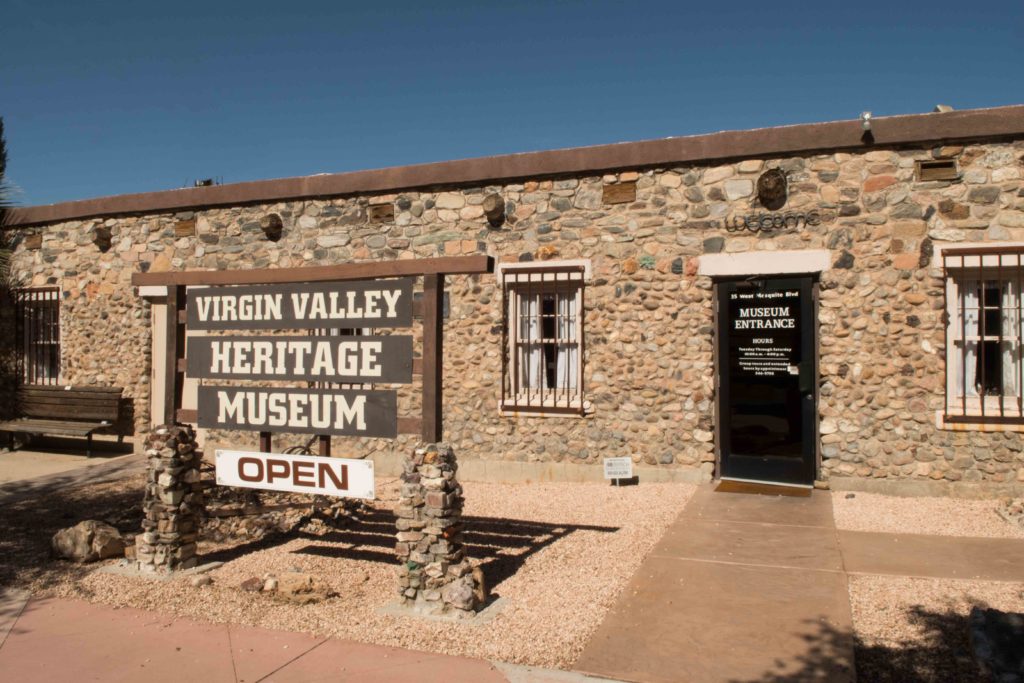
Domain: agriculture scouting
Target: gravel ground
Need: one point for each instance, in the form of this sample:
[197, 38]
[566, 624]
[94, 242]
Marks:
[911, 629]
[937, 516]
[558, 554]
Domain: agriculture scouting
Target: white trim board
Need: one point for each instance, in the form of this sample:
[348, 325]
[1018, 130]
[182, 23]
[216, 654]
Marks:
[765, 262]
[940, 247]
[527, 265]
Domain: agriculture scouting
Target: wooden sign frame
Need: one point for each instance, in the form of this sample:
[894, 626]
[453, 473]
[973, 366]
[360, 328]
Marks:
[433, 271]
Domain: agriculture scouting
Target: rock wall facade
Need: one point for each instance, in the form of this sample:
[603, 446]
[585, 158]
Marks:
[649, 364]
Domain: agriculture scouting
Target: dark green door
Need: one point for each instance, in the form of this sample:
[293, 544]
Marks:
[767, 378]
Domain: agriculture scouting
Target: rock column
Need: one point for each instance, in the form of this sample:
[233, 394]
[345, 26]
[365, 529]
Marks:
[435, 576]
[173, 502]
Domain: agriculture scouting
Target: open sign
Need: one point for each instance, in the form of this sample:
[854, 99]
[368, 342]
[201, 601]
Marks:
[339, 477]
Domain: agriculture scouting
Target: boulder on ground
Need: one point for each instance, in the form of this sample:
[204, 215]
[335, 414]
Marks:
[88, 541]
[301, 588]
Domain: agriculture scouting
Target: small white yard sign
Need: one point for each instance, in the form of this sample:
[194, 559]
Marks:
[618, 468]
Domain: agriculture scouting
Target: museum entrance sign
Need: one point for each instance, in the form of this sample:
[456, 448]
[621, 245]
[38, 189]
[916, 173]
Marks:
[767, 370]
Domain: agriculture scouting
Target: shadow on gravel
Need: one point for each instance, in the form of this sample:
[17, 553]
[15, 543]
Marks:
[940, 653]
[30, 522]
[501, 545]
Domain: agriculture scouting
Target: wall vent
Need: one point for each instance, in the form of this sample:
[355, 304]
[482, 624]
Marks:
[940, 169]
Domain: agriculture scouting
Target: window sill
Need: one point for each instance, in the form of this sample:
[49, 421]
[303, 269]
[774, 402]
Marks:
[966, 425]
[546, 409]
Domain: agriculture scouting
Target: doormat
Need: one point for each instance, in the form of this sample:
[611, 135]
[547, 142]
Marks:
[728, 486]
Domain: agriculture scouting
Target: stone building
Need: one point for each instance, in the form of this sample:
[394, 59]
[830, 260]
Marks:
[811, 302]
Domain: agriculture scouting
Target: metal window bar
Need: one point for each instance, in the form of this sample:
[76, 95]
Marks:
[526, 354]
[961, 266]
[37, 329]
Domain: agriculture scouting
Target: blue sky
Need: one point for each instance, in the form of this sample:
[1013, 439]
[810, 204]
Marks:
[103, 98]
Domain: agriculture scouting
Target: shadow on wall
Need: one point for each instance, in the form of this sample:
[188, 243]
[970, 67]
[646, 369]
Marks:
[939, 652]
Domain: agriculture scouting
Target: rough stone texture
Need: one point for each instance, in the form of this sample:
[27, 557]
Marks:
[298, 587]
[649, 354]
[173, 504]
[434, 576]
[88, 541]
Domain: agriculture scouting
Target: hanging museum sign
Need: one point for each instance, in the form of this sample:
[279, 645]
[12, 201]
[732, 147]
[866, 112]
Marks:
[300, 411]
[340, 359]
[352, 360]
[302, 306]
[339, 477]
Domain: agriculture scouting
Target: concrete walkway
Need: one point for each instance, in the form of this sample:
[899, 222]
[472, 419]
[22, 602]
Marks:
[752, 588]
[49, 641]
[46, 455]
[29, 473]
[738, 589]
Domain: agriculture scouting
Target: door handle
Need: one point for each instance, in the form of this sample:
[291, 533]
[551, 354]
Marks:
[806, 381]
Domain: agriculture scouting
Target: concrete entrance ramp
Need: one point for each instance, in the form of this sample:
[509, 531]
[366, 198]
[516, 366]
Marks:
[741, 588]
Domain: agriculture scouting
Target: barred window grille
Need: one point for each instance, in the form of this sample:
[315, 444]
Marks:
[37, 321]
[543, 345]
[984, 329]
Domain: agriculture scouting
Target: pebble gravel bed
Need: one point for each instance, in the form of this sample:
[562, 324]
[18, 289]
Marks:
[935, 516]
[915, 629]
[558, 554]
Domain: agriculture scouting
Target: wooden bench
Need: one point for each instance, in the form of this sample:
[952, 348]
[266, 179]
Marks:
[65, 411]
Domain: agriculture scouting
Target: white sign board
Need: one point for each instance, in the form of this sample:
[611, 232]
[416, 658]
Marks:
[311, 474]
[618, 468]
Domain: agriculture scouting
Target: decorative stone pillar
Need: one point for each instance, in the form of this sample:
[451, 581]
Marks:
[173, 502]
[435, 575]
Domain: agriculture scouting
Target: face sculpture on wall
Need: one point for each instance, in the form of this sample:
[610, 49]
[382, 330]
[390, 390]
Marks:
[771, 189]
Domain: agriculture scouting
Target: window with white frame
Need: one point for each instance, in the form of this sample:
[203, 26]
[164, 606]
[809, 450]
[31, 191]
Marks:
[984, 368]
[543, 330]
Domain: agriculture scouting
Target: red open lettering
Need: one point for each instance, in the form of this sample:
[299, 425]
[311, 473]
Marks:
[326, 469]
[242, 462]
[301, 470]
[277, 469]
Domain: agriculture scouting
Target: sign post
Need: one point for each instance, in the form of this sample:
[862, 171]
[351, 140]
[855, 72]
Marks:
[375, 295]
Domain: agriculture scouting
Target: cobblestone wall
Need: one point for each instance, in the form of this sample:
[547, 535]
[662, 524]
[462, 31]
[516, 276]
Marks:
[648, 319]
